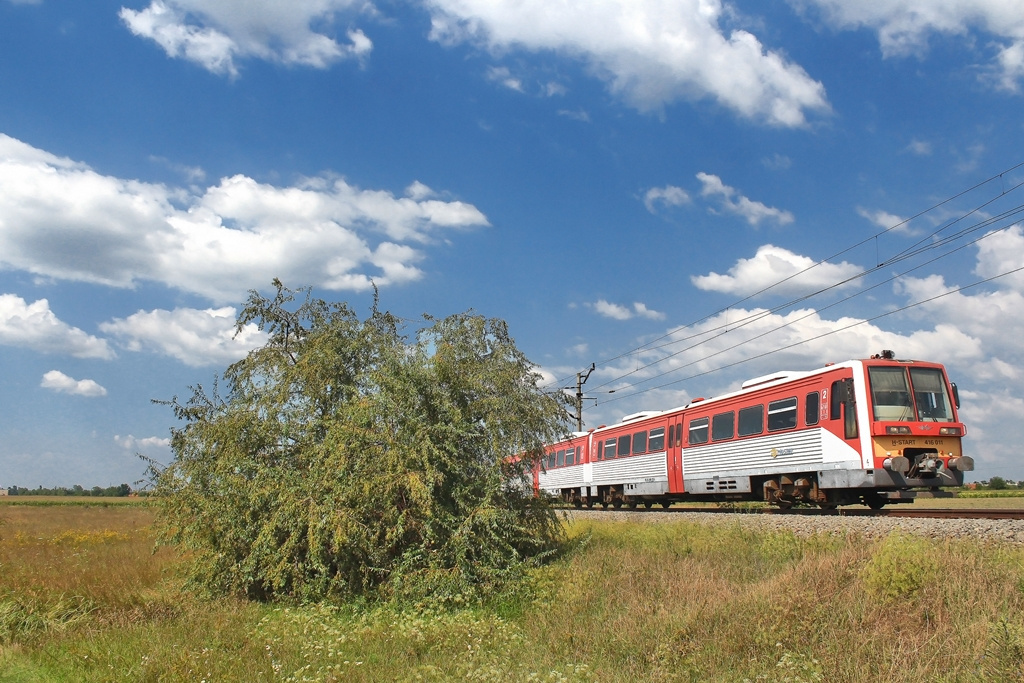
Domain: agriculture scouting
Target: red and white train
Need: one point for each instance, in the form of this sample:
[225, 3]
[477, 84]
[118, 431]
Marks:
[871, 431]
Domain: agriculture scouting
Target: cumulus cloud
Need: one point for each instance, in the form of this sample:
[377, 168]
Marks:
[905, 26]
[62, 384]
[61, 219]
[35, 326]
[730, 201]
[195, 337]
[650, 52]
[795, 274]
[215, 33]
[620, 312]
[670, 195]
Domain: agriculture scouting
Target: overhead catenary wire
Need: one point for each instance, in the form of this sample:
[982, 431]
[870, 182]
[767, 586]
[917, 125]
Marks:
[822, 335]
[914, 250]
[724, 329]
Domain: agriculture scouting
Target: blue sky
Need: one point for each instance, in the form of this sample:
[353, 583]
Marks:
[620, 180]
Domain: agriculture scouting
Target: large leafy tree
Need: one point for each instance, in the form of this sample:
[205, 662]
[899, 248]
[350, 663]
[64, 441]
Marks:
[344, 458]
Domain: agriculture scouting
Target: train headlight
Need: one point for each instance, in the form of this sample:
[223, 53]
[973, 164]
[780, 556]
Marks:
[893, 429]
[949, 431]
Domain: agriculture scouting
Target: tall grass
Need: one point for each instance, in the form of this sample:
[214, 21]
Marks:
[86, 599]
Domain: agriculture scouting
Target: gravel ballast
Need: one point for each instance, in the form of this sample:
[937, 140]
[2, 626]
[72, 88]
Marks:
[1004, 531]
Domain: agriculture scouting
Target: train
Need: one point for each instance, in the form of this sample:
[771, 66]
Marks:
[872, 431]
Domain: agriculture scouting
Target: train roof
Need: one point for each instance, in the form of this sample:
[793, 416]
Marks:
[763, 382]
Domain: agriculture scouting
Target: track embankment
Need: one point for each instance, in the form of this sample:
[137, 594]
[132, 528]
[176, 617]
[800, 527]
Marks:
[931, 523]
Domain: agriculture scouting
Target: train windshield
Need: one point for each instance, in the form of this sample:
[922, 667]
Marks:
[921, 395]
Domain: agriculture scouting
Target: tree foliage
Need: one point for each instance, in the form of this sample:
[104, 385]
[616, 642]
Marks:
[346, 459]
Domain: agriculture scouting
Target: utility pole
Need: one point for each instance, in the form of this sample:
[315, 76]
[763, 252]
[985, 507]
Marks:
[581, 379]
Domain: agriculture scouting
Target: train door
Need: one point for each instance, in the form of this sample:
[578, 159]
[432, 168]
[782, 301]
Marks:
[675, 454]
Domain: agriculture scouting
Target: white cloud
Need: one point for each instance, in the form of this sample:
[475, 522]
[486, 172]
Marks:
[670, 195]
[501, 74]
[620, 312]
[61, 383]
[772, 265]
[61, 219]
[1001, 252]
[131, 443]
[730, 202]
[904, 26]
[214, 33]
[885, 220]
[651, 52]
[34, 326]
[195, 337]
[920, 147]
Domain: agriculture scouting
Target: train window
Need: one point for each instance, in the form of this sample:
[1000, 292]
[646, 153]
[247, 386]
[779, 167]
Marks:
[600, 450]
[623, 449]
[930, 395]
[609, 449]
[570, 455]
[656, 442]
[811, 408]
[698, 431]
[551, 459]
[671, 435]
[560, 459]
[751, 421]
[835, 411]
[890, 394]
[722, 426]
[640, 443]
[782, 414]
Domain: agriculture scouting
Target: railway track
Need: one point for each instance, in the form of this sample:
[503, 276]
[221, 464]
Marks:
[913, 513]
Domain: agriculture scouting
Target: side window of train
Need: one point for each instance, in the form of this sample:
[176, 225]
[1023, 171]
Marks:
[551, 459]
[751, 421]
[623, 449]
[560, 460]
[656, 441]
[698, 431]
[570, 456]
[842, 394]
[811, 408]
[723, 426]
[609, 449]
[640, 442]
[782, 414]
[600, 451]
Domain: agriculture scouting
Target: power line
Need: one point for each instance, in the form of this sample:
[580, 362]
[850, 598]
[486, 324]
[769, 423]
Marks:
[817, 337]
[904, 255]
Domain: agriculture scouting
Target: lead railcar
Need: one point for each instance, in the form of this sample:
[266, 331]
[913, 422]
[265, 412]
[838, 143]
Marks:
[872, 431]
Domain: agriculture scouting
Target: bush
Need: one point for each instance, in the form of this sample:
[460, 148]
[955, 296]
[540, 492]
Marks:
[345, 459]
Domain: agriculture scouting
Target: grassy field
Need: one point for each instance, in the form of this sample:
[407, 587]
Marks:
[83, 597]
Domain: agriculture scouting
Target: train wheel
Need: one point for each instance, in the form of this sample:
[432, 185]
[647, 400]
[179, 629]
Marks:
[828, 506]
[617, 503]
[875, 503]
[632, 504]
[648, 504]
[577, 503]
[666, 504]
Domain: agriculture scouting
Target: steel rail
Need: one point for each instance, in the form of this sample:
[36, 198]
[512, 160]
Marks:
[919, 513]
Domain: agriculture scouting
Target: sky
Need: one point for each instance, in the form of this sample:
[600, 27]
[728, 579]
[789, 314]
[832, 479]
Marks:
[684, 193]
